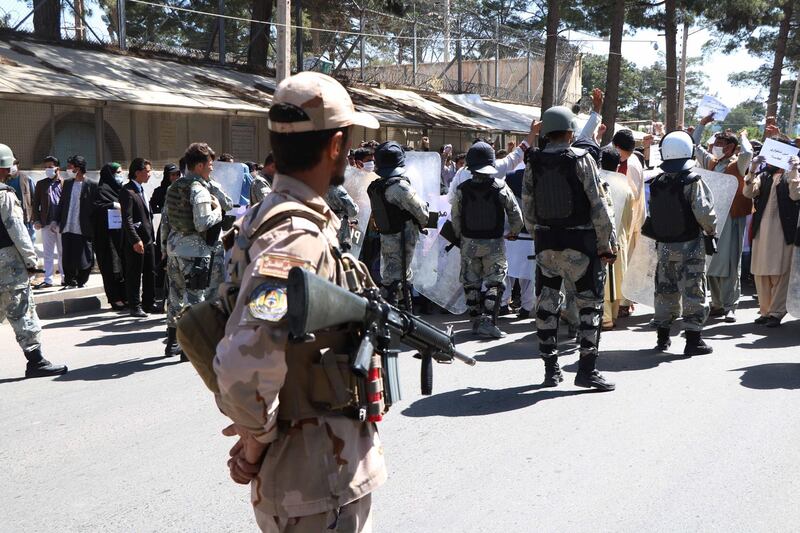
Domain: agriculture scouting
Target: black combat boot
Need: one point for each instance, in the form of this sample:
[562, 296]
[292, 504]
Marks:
[589, 377]
[172, 347]
[39, 367]
[552, 371]
[695, 344]
[663, 340]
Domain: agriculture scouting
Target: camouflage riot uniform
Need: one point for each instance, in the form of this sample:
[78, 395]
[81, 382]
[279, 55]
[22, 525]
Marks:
[218, 250]
[186, 245]
[483, 260]
[346, 209]
[569, 251]
[681, 272]
[259, 189]
[17, 255]
[317, 461]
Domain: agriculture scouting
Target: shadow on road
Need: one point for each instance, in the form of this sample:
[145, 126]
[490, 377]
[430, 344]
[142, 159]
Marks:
[82, 321]
[116, 370]
[12, 380]
[474, 401]
[116, 339]
[630, 360]
[771, 376]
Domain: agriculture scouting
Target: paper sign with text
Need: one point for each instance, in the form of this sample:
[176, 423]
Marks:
[777, 153]
[114, 219]
[709, 105]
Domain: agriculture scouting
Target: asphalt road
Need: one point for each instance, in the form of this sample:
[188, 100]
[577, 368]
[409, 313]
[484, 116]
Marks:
[129, 440]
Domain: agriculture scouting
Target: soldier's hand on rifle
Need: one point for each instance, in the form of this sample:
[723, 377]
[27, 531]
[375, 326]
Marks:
[597, 100]
[214, 202]
[608, 257]
[246, 454]
[707, 120]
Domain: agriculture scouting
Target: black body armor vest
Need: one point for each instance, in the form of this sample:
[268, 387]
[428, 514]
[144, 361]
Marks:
[560, 200]
[388, 217]
[482, 212]
[671, 218]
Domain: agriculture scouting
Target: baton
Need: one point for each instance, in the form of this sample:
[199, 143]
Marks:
[612, 286]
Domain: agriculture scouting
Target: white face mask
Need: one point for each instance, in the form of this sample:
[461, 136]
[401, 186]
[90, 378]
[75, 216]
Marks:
[718, 152]
[369, 166]
[50, 172]
[71, 174]
[120, 179]
[14, 170]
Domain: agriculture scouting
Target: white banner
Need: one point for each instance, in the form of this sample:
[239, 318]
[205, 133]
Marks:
[709, 105]
[778, 154]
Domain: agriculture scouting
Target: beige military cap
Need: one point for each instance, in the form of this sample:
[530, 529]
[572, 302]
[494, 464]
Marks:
[324, 100]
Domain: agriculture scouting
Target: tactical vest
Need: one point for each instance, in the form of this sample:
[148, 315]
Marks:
[560, 200]
[388, 217]
[178, 205]
[5, 238]
[319, 381]
[671, 217]
[482, 212]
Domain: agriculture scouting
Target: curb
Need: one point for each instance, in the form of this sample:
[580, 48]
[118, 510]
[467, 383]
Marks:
[58, 304]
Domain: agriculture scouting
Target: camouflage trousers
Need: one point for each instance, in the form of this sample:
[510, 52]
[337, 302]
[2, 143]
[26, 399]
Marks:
[586, 272]
[17, 306]
[179, 296]
[483, 262]
[681, 284]
[392, 258]
[356, 516]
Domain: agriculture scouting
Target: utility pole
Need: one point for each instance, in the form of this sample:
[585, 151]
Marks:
[121, 25]
[682, 81]
[458, 61]
[497, 57]
[298, 35]
[528, 74]
[447, 31]
[221, 32]
[80, 31]
[361, 45]
[414, 53]
[283, 63]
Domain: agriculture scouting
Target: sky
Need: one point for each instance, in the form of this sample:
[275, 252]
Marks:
[717, 65]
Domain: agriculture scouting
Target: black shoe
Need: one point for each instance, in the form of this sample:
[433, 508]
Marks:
[716, 312]
[68, 287]
[523, 313]
[695, 344]
[155, 310]
[663, 340]
[761, 320]
[593, 380]
[172, 347]
[184, 359]
[552, 372]
[138, 312]
[39, 367]
[504, 310]
[773, 322]
[42, 285]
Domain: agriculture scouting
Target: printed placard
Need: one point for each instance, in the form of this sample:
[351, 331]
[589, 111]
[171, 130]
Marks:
[709, 105]
[777, 153]
[114, 219]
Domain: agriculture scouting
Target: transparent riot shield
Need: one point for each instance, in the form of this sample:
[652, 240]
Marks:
[424, 172]
[639, 282]
[356, 182]
[793, 297]
[230, 177]
[619, 189]
[440, 264]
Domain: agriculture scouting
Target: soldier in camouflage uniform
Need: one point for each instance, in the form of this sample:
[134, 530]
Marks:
[479, 210]
[191, 211]
[562, 201]
[17, 261]
[342, 204]
[399, 213]
[681, 210]
[259, 189]
[312, 467]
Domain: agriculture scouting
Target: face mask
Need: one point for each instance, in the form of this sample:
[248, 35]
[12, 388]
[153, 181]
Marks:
[718, 152]
[14, 170]
[71, 174]
[50, 172]
[119, 178]
[369, 166]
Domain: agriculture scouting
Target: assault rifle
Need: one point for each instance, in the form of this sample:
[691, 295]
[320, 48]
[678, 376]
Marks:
[315, 304]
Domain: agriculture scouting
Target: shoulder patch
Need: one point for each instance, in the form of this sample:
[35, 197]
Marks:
[268, 301]
[274, 265]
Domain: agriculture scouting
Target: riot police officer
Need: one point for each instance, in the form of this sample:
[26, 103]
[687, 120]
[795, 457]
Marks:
[480, 208]
[344, 207]
[681, 211]
[574, 235]
[17, 261]
[399, 213]
[191, 214]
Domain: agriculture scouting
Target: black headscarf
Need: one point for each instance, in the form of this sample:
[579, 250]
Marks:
[107, 176]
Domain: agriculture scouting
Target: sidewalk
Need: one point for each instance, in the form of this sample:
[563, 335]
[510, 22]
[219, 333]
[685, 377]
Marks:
[55, 302]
